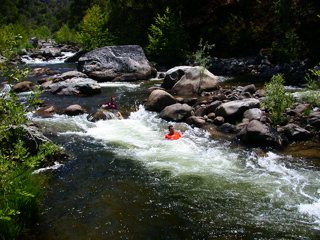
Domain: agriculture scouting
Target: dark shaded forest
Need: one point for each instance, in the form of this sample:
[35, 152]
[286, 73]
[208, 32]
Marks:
[289, 28]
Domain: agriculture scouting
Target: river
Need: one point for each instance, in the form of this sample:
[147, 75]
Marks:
[125, 181]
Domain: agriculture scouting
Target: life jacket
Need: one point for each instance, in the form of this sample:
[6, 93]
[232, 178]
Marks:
[175, 136]
[111, 106]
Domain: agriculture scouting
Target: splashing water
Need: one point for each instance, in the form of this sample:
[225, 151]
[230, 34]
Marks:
[198, 184]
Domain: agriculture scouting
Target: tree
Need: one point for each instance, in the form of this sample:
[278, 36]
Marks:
[94, 32]
[65, 35]
[167, 39]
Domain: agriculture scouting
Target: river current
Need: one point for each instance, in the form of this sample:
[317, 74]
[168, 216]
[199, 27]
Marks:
[125, 181]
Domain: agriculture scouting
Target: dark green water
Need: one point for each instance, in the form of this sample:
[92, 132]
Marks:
[127, 182]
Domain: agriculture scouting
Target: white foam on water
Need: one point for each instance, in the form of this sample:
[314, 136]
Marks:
[120, 84]
[56, 166]
[28, 60]
[141, 138]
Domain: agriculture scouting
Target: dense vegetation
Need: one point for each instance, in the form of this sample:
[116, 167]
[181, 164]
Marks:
[237, 27]
[20, 190]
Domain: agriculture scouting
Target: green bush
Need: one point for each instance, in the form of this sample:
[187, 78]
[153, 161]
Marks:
[313, 84]
[94, 32]
[277, 99]
[20, 191]
[167, 39]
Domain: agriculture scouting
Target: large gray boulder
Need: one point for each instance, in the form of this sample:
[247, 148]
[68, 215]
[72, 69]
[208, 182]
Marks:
[52, 52]
[258, 134]
[235, 109]
[195, 81]
[177, 112]
[116, 63]
[158, 100]
[75, 86]
[173, 75]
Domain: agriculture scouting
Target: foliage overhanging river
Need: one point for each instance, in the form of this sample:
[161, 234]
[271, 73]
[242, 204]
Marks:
[127, 182]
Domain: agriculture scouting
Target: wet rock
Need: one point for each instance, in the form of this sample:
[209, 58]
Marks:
[24, 86]
[296, 133]
[74, 110]
[228, 128]
[177, 112]
[258, 134]
[158, 100]
[101, 114]
[69, 75]
[75, 86]
[46, 111]
[194, 120]
[218, 120]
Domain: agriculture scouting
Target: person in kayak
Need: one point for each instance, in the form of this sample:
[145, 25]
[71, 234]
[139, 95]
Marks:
[113, 107]
[172, 134]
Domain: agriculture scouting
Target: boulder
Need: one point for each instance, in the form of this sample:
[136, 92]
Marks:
[195, 81]
[24, 86]
[30, 135]
[46, 111]
[116, 63]
[68, 75]
[75, 86]
[295, 133]
[228, 128]
[235, 109]
[158, 100]
[74, 110]
[173, 75]
[194, 120]
[314, 119]
[218, 120]
[101, 114]
[258, 134]
[253, 114]
[249, 88]
[177, 112]
[213, 106]
[52, 52]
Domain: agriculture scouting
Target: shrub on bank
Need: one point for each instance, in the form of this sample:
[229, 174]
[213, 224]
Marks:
[277, 99]
[20, 191]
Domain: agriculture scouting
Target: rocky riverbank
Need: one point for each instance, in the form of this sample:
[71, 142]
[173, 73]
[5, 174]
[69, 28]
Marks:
[237, 111]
